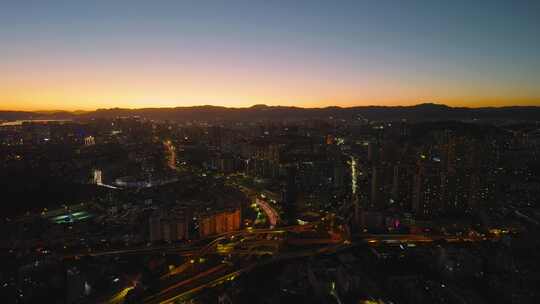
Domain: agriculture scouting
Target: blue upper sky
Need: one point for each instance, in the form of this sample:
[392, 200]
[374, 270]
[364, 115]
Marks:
[277, 52]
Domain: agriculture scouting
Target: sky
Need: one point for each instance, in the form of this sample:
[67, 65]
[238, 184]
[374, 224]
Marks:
[83, 55]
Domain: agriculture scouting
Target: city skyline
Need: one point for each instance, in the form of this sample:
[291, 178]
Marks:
[84, 56]
[270, 151]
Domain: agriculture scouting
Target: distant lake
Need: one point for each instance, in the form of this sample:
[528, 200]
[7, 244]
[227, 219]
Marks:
[20, 122]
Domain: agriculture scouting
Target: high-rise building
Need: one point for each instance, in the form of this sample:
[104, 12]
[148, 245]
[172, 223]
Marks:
[402, 187]
[373, 152]
[381, 186]
[169, 226]
[155, 227]
[290, 194]
[215, 134]
[457, 189]
[219, 222]
[427, 191]
[340, 172]
[464, 187]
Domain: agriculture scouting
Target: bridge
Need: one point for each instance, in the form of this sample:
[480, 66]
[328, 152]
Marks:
[237, 250]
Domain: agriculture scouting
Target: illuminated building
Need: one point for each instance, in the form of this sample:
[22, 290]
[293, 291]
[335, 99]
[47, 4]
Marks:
[381, 186]
[97, 178]
[290, 194]
[402, 187]
[169, 226]
[329, 139]
[427, 189]
[35, 133]
[219, 222]
[89, 141]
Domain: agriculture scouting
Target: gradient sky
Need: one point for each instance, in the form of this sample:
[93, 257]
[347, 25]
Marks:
[100, 54]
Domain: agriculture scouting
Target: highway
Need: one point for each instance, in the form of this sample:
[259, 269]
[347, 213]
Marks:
[271, 213]
[231, 254]
[130, 251]
[182, 249]
[219, 275]
[171, 158]
[233, 272]
[235, 253]
[414, 238]
[245, 264]
[120, 296]
[228, 256]
[233, 237]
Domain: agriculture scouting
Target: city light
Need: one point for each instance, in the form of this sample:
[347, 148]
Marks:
[269, 151]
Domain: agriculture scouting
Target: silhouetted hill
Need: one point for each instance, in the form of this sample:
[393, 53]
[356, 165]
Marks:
[421, 112]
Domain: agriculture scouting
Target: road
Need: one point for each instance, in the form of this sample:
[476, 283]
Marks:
[230, 273]
[232, 254]
[187, 289]
[271, 213]
[171, 151]
[238, 251]
[243, 247]
[120, 296]
[145, 250]
[414, 238]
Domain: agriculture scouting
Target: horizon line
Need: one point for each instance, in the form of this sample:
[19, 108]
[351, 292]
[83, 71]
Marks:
[52, 111]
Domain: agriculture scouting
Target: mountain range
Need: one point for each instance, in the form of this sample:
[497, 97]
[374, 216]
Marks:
[420, 112]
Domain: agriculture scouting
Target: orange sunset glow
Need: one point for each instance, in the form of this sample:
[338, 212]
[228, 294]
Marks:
[68, 91]
[186, 54]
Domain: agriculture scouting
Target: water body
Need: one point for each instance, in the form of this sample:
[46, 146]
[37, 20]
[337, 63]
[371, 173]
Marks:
[20, 122]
